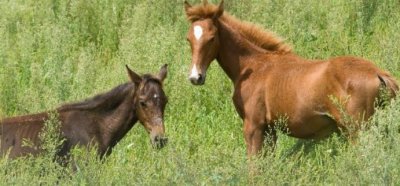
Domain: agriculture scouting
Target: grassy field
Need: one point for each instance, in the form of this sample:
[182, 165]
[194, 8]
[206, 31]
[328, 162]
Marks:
[57, 51]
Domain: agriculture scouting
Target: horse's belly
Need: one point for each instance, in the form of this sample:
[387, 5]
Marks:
[316, 127]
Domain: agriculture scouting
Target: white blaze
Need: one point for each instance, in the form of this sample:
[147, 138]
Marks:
[194, 74]
[198, 32]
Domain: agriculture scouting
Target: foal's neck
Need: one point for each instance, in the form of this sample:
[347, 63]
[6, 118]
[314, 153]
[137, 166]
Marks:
[118, 122]
[233, 51]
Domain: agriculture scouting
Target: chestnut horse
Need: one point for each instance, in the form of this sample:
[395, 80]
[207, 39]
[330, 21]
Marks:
[102, 120]
[271, 81]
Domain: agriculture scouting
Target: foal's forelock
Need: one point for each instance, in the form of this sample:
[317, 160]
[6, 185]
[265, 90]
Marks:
[199, 12]
[149, 80]
[252, 32]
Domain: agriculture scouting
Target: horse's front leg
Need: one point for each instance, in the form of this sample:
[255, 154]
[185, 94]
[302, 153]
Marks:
[254, 136]
[270, 137]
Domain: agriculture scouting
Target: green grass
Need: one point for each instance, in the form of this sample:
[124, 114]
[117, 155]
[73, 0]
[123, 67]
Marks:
[54, 51]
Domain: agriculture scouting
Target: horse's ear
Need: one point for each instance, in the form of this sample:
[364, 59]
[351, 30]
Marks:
[133, 76]
[163, 72]
[187, 6]
[205, 2]
[220, 10]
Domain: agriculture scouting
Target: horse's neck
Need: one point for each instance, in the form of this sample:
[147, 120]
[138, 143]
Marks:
[233, 49]
[118, 122]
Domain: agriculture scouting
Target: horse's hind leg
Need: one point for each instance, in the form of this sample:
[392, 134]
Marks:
[360, 108]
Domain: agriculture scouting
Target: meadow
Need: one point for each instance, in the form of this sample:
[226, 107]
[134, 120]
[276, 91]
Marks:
[58, 51]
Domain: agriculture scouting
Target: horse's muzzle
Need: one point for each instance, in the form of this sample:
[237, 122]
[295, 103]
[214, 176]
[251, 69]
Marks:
[197, 80]
[159, 142]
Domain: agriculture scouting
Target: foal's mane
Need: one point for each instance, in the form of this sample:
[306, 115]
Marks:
[111, 99]
[105, 101]
[253, 33]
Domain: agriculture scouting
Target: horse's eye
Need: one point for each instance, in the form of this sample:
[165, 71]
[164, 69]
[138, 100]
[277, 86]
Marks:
[142, 103]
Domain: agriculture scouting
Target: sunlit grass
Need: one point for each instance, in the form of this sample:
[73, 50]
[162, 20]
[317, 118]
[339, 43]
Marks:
[52, 52]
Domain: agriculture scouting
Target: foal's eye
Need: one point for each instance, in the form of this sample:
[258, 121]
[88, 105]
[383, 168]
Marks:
[142, 103]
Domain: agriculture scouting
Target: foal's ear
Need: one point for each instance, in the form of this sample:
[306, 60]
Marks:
[133, 76]
[163, 72]
[220, 10]
[187, 6]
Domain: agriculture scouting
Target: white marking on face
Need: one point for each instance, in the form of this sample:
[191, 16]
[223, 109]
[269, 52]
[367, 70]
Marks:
[155, 96]
[194, 74]
[198, 32]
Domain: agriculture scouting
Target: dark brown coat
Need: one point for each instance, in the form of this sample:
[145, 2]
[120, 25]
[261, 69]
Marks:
[102, 120]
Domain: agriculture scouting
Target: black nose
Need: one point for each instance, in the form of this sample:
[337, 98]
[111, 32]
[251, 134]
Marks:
[160, 142]
[197, 80]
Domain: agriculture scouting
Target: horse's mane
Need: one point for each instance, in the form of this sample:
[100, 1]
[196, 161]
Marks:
[257, 35]
[253, 33]
[111, 99]
[107, 100]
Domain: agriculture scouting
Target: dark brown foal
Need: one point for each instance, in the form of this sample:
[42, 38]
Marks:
[102, 120]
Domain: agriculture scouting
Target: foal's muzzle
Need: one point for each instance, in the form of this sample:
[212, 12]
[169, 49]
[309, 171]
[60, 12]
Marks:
[197, 80]
[159, 142]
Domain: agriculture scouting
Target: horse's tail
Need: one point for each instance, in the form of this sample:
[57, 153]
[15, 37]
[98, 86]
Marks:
[388, 88]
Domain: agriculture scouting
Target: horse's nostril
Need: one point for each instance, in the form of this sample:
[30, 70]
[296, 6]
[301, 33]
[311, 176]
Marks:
[164, 140]
[157, 138]
[194, 81]
[197, 80]
[160, 141]
[200, 79]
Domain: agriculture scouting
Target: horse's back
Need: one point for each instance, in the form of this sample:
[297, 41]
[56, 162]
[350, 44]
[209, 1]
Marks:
[310, 84]
[358, 69]
[310, 93]
[20, 134]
